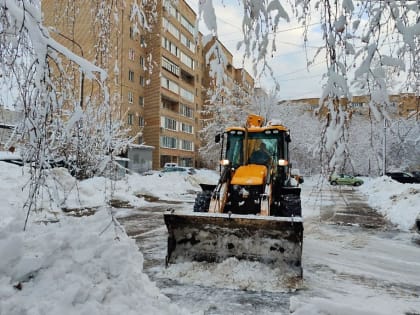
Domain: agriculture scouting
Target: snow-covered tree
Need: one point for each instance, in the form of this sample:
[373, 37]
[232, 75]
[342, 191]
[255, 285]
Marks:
[364, 41]
[364, 141]
[61, 122]
[402, 138]
[264, 102]
[225, 107]
[226, 102]
[304, 132]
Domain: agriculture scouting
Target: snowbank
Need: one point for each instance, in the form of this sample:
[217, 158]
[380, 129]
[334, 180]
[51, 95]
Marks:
[399, 203]
[69, 265]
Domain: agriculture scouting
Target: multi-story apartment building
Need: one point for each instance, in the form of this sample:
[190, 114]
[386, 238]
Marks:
[215, 51]
[400, 105]
[156, 68]
[174, 90]
[231, 86]
[154, 78]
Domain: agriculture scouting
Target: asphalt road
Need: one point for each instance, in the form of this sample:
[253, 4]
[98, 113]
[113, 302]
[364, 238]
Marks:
[348, 207]
[343, 212]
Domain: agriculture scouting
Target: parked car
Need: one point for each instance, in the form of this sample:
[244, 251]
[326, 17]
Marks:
[343, 179]
[11, 157]
[416, 174]
[418, 223]
[169, 164]
[188, 170]
[403, 177]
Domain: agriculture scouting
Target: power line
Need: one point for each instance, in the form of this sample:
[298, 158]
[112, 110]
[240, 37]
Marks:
[270, 33]
[301, 78]
[276, 32]
[300, 70]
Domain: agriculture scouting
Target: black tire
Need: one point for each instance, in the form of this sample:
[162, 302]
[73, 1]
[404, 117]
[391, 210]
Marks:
[357, 184]
[202, 201]
[292, 205]
[333, 183]
[288, 205]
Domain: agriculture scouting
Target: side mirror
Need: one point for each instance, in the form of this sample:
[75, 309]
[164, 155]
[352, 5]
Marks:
[217, 138]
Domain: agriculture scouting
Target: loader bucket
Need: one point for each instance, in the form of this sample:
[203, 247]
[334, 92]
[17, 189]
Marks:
[214, 237]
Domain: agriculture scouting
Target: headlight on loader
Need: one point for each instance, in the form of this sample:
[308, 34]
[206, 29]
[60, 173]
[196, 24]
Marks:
[283, 162]
[224, 162]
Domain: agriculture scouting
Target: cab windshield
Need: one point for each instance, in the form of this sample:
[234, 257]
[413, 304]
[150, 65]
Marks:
[239, 153]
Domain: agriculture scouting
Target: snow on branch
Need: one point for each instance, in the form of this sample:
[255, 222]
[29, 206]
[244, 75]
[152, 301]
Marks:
[47, 82]
[25, 15]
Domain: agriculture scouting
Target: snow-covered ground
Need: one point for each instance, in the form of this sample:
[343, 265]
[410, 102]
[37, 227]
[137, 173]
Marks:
[69, 264]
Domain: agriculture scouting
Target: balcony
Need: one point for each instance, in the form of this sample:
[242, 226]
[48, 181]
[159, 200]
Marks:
[187, 77]
[170, 104]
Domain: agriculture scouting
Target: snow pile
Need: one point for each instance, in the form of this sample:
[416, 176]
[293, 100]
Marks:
[172, 186]
[399, 203]
[65, 264]
[69, 265]
[230, 274]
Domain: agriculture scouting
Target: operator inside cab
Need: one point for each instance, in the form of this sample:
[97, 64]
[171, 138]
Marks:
[260, 155]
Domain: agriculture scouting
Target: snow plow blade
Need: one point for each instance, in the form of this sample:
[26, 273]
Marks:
[214, 237]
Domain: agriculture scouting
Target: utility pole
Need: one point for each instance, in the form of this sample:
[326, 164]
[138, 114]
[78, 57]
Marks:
[384, 149]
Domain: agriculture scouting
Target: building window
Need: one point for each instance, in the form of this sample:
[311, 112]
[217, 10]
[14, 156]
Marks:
[168, 123]
[188, 43]
[171, 9]
[189, 26]
[141, 121]
[170, 66]
[171, 47]
[131, 75]
[187, 95]
[131, 54]
[142, 81]
[188, 162]
[169, 84]
[142, 62]
[186, 111]
[130, 119]
[187, 128]
[142, 41]
[170, 28]
[186, 145]
[187, 60]
[168, 142]
[356, 104]
[131, 33]
[130, 97]
[141, 100]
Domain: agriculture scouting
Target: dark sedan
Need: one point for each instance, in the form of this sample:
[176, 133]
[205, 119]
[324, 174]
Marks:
[404, 177]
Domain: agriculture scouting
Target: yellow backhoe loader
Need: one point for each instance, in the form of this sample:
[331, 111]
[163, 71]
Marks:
[254, 211]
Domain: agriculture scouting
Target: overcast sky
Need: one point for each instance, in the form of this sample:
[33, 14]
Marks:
[289, 62]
